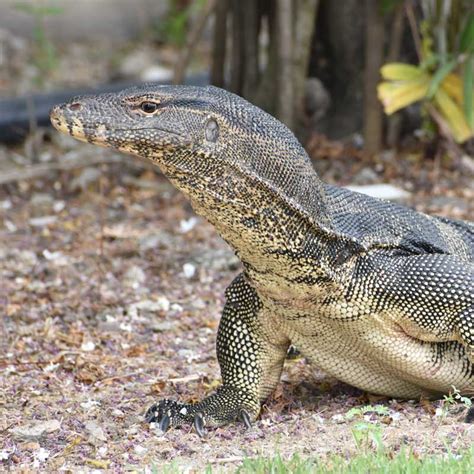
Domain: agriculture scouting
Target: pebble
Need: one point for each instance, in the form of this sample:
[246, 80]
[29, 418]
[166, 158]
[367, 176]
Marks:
[134, 277]
[96, 433]
[189, 270]
[42, 221]
[87, 177]
[34, 431]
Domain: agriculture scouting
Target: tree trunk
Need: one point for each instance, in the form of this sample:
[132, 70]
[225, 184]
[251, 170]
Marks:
[219, 44]
[250, 34]
[305, 20]
[396, 36]
[373, 125]
[285, 95]
[236, 59]
[338, 62]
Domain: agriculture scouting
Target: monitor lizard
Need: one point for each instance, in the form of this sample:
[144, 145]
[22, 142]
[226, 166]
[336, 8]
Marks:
[374, 293]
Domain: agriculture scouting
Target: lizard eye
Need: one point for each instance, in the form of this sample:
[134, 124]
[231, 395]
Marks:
[212, 130]
[149, 107]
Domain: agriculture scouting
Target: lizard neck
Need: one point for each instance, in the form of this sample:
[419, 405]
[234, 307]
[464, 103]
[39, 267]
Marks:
[268, 230]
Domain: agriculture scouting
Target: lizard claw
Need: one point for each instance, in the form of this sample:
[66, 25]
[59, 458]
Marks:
[156, 414]
[151, 414]
[164, 423]
[245, 418]
[199, 424]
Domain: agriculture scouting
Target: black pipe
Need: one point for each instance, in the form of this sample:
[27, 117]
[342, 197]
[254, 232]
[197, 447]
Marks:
[18, 115]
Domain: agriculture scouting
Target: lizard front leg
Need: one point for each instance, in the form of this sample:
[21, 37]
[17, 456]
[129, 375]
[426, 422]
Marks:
[251, 359]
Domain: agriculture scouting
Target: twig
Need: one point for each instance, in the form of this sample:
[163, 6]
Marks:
[37, 171]
[116, 377]
[191, 42]
[23, 173]
[414, 28]
[102, 225]
[188, 378]
[227, 460]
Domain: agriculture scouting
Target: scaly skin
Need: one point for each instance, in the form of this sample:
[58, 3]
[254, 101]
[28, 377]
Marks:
[376, 294]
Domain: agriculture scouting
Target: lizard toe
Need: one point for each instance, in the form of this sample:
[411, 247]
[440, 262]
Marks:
[198, 424]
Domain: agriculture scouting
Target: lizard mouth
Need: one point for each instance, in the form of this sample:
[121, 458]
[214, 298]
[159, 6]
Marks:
[74, 127]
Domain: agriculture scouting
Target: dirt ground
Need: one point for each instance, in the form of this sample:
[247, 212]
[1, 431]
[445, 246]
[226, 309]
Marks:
[111, 292]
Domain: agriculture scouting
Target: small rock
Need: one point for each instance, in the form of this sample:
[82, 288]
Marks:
[198, 303]
[319, 419]
[162, 240]
[140, 450]
[189, 270]
[58, 258]
[102, 451]
[41, 202]
[338, 418]
[87, 346]
[187, 224]
[162, 326]
[35, 431]
[6, 204]
[28, 258]
[41, 455]
[96, 433]
[89, 404]
[87, 177]
[42, 221]
[365, 176]
[58, 206]
[142, 308]
[134, 277]
[10, 226]
[4, 455]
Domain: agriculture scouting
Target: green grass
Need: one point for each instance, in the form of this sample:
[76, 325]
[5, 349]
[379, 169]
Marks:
[373, 463]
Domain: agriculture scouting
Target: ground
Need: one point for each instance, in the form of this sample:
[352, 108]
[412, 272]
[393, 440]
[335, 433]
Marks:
[113, 290]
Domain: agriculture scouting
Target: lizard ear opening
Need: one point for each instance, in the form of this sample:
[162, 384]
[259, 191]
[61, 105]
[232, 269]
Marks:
[212, 130]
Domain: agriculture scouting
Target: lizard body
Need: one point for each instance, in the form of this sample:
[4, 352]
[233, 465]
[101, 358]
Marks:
[374, 293]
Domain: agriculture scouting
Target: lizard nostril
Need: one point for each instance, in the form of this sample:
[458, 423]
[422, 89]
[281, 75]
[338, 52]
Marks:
[75, 106]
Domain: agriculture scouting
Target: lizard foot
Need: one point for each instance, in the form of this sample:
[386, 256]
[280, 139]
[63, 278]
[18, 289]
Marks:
[216, 410]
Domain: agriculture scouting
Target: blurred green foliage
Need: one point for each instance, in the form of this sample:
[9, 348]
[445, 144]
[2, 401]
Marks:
[444, 77]
[45, 56]
[173, 28]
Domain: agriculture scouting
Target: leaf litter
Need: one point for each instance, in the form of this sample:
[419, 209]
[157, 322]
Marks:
[115, 303]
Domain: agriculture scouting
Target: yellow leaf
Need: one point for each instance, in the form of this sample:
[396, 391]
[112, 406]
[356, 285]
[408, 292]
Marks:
[403, 94]
[453, 86]
[453, 115]
[384, 89]
[401, 72]
[98, 463]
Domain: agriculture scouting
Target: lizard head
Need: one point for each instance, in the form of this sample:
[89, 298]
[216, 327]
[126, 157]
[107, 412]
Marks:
[213, 145]
[180, 127]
